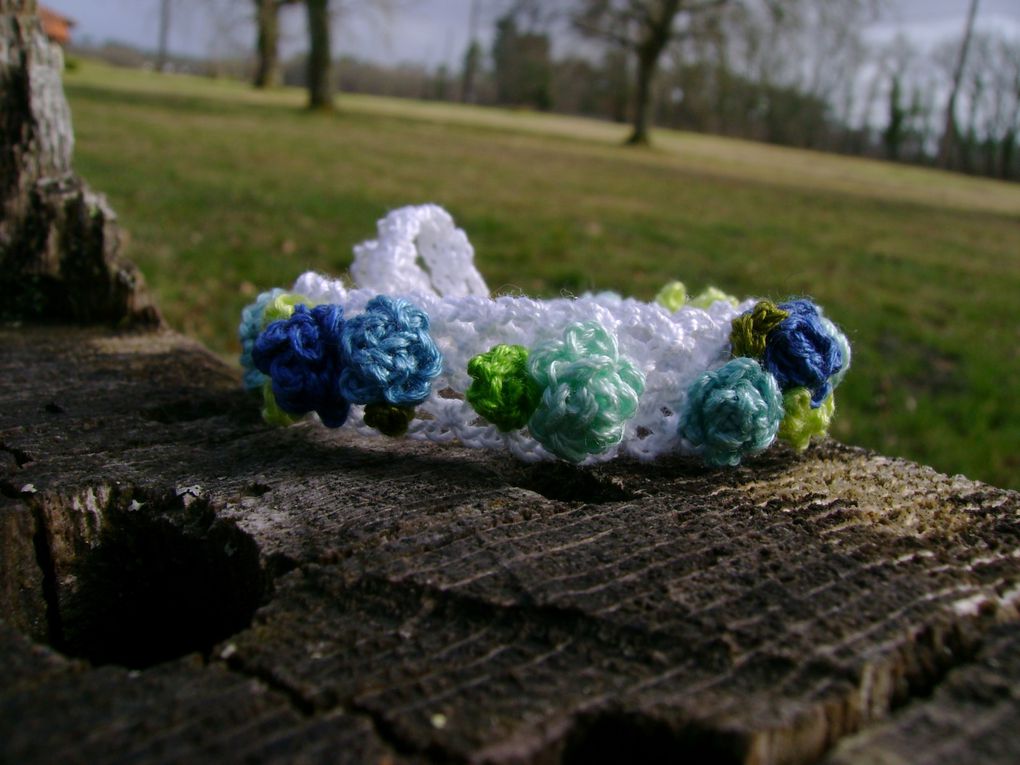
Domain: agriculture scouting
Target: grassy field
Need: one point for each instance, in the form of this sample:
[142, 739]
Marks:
[226, 192]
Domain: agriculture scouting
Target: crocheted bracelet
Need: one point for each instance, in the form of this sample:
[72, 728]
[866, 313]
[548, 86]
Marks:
[419, 348]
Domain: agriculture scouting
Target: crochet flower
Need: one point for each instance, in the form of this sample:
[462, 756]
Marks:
[589, 392]
[390, 420]
[709, 297]
[301, 355]
[801, 353]
[750, 331]
[388, 354]
[732, 412]
[248, 331]
[844, 349]
[672, 296]
[801, 421]
[282, 306]
[502, 391]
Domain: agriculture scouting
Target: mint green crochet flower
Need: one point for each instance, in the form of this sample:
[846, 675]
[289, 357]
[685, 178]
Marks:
[589, 392]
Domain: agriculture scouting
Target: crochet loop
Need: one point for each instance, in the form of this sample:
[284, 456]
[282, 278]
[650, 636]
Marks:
[501, 389]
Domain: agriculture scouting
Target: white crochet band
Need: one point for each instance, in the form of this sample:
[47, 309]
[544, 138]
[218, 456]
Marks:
[420, 255]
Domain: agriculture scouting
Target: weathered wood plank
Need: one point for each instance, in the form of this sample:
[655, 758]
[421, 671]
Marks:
[476, 609]
[973, 716]
[53, 710]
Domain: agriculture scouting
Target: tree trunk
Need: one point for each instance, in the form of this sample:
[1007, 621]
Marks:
[164, 34]
[320, 87]
[642, 99]
[657, 32]
[267, 20]
[1007, 155]
[947, 145]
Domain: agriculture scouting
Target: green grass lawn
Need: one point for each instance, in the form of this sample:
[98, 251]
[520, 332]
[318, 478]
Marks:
[226, 192]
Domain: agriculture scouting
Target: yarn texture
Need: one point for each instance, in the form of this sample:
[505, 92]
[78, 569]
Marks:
[710, 296]
[589, 392]
[388, 354]
[802, 421]
[272, 414]
[282, 307]
[672, 297]
[751, 330]
[301, 355]
[624, 395]
[801, 353]
[502, 390]
[844, 350]
[389, 420]
[732, 412]
[249, 329]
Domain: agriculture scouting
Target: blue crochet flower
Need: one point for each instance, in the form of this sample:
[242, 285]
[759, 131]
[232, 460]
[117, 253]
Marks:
[248, 331]
[801, 353]
[302, 357]
[732, 412]
[388, 354]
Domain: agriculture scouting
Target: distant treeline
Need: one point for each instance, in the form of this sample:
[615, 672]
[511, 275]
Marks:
[799, 74]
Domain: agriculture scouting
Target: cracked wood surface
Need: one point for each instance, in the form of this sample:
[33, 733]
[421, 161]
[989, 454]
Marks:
[312, 595]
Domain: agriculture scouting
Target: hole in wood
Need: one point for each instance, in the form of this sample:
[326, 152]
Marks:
[616, 736]
[156, 587]
[566, 483]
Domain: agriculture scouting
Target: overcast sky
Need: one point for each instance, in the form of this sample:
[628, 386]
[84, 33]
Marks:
[425, 31]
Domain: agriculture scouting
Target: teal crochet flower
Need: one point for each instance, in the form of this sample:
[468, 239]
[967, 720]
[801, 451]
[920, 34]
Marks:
[844, 350]
[589, 392]
[732, 412]
[248, 331]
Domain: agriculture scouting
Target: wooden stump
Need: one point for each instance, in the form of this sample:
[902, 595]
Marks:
[60, 244]
[180, 583]
[441, 603]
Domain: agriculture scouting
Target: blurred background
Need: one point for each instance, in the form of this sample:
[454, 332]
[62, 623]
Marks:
[862, 152]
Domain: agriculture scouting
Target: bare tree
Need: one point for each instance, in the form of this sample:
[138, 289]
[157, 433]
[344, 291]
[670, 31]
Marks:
[990, 100]
[164, 35]
[472, 59]
[267, 25]
[320, 81]
[644, 28]
[947, 144]
[321, 15]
